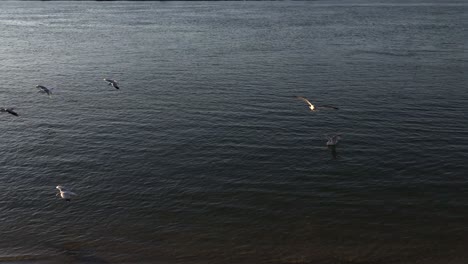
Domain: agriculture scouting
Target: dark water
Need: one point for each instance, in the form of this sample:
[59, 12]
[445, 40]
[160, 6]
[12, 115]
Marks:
[205, 156]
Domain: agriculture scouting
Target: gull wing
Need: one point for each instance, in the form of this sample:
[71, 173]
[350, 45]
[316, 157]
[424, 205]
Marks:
[62, 188]
[110, 80]
[329, 106]
[304, 99]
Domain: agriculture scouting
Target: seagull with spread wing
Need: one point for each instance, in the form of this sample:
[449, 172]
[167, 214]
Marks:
[43, 89]
[313, 107]
[112, 82]
[333, 140]
[64, 193]
[9, 110]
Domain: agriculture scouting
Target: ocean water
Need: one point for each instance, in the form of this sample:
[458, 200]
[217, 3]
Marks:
[205, 155]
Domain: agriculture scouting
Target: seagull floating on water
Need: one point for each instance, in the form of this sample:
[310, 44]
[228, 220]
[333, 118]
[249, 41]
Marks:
[9, 110]
[313, 107]
[64, 193]
[43, 89]
[113, 83]
[333, 140]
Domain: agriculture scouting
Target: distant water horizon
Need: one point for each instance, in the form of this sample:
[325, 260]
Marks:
[355, 2]
[206, 155]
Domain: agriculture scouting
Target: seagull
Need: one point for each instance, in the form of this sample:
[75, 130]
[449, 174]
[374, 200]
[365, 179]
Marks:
[43, 89]
[313, 107]
[8, 110]
[64, 194]
[331, 144]
[112, 82]
[333, 140]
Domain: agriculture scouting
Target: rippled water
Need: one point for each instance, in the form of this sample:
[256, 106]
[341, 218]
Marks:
[205, 156]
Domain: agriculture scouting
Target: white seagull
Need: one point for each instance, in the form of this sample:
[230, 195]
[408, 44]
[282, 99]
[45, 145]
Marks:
[43, 89]
[113, 83]
[64, 194]
[333, 140]
[313, 107]
[8, 110]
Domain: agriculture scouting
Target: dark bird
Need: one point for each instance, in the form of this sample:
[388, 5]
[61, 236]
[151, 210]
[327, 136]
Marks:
[333, 140]
[43, 89]
[313, 107]
[9, 110]
[331, 144]
[113, 83]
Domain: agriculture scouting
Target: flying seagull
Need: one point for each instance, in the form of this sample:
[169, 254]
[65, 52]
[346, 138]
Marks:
[8, 110]
[43, 89]
[113, 83]
[313, 107]
[331, 144]
[333, 140]
[64, 193]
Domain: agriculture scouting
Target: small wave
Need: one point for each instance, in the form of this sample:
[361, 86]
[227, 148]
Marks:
[33, 258]
[385, 53]
[22, 23]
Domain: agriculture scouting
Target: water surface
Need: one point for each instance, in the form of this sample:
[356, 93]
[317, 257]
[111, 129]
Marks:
[205, 156]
